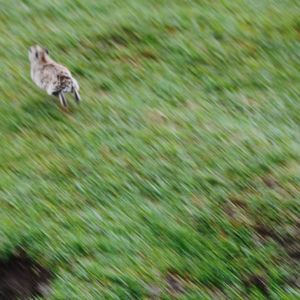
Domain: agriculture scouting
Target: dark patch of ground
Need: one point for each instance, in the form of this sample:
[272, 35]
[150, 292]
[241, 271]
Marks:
[22, 278]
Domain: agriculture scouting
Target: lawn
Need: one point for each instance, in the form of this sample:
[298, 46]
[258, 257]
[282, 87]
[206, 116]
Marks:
[178, 176]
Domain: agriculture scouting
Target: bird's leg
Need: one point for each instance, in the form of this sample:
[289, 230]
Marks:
[77, 96]
[62, 100]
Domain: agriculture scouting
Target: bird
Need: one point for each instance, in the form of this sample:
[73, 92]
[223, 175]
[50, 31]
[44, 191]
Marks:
[51, 76]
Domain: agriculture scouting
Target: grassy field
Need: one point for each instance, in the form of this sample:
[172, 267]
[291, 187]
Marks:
[178, 177]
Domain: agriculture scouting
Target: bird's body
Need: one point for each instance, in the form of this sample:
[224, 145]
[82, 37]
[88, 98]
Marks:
[50, 76]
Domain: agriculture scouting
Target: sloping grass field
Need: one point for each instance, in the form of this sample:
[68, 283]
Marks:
[178, 177]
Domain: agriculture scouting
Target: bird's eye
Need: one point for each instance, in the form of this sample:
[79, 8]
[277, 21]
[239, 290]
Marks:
[46, 50]
[36, 55]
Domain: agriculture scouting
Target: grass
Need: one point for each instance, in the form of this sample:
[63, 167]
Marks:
[181, 166]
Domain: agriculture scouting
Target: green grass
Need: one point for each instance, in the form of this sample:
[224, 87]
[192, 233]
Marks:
[183, 158]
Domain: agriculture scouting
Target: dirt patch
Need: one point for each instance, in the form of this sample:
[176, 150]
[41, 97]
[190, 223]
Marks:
[270, 182]
[171, 30]
[294, 279]
[121, 37]
[290, 240]
[236, 212]
[174, 284]
[258, 281]
[154, 292]
[265, 232]
[149, 54]
[156, 117]
[22, 278]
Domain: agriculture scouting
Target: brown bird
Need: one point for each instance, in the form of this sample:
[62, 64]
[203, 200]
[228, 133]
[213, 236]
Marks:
[50, 76]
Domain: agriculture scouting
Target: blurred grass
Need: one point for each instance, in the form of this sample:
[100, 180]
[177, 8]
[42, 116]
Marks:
[182, 159]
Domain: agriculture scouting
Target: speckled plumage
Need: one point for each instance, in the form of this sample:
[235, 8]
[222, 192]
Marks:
[50, 76]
